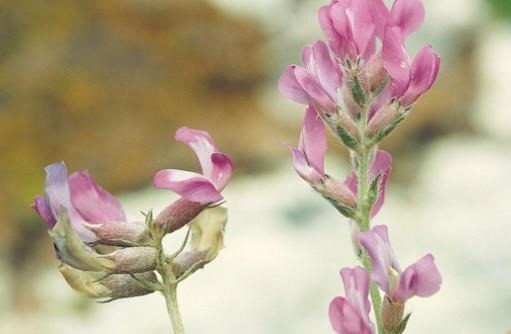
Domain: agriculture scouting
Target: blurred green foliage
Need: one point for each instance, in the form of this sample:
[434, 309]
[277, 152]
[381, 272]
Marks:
[502, 8]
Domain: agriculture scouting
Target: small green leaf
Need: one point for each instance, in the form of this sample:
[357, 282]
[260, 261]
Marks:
[343, 209]
[386, 131]
[358, 92]
[399, 329]
[346, 137]
[373, 190]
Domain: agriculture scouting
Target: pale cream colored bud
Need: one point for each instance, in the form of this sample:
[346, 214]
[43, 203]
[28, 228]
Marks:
[339, 191]
[72, 250]
[208, 231]
[85, 282]
[392, 313]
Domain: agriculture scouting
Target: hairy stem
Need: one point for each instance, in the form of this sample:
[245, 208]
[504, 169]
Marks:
[169, 289]
[364, 208]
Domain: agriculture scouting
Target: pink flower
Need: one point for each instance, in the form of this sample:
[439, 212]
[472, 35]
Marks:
[309, 157]
[350, 315]
[381, 164]
[350, 27]
[85, 201]
[408, 82]
[317, 83]
[216, 170]
[407, 15]
[420, 279]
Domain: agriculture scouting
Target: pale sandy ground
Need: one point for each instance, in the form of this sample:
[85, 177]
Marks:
[285, 245]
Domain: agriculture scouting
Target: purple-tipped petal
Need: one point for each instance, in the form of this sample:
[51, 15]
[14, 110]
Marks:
[381, 165]
[192, 186]
[58, 194]
[356, 286]
[318, 62]
[290, 88]
[313, 141]
[363, 27]
[93, 203]
[42, 208]
[345, 318]
[408, 15]
[319, 98]
[381, 15]
[377, 244]
[222, 170]
[395, 59]
[420, 279]
[423, 74]
[202, 144]
[302, 167]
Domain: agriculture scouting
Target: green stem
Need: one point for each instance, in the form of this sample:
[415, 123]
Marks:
[170, 294]
[364, 209]
[169, 289]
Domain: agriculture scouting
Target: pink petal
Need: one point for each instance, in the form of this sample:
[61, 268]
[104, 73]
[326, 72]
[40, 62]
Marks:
[319, 98]
[303, 168]
[290, 88]
[363, 26]
[222, 170]
[424, 72]
[334, 39]
[381, 165]
[42, 208]
[377, 244]
[202, 144]
[58, 195]
[313, 141]
[381, 17]
[420, 279]
[192, 186]
[318, 62]
[408, 15]
[395, 58]
[356, 286]
[93, 203]
[345, 318]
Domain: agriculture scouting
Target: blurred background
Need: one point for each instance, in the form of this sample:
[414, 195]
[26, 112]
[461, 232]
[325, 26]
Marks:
[103, 85]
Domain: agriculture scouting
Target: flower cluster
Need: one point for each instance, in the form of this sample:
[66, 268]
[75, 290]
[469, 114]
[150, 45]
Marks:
[105, 256]
[361, 84]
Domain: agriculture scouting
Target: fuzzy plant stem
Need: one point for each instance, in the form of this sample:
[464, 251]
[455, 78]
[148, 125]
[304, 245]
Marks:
[364, 209]
[169, 289]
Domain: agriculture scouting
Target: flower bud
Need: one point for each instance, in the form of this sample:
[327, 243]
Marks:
[125, 286]
[392, 314]
[344, 127]
[375, 75]
[188, 260]
[179, 213]
[126, 234]
[339, 195]
[383, 119]
[132, 260]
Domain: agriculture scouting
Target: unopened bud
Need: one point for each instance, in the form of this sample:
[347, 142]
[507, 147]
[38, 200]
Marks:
[375, 75]
[383, 118]
[344, 127]
[179, 213]
[121, 234]
[392, 314]
[339, 195]
[188, 262]
[132, 260]
[125, 286]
